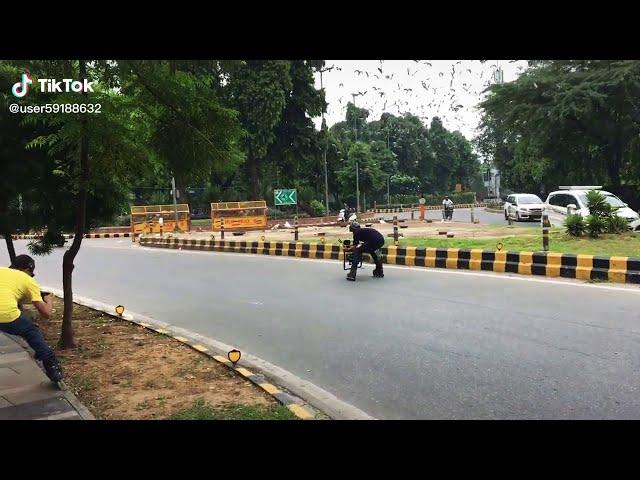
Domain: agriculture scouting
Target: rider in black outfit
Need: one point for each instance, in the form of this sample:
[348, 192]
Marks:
[365, 240]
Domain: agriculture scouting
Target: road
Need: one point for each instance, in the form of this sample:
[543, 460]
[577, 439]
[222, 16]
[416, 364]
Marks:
[464, 215]
[418, 344]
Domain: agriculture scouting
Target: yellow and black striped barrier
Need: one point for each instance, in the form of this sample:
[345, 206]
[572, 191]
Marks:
[584, 267]
[430, 207]
[70, 236]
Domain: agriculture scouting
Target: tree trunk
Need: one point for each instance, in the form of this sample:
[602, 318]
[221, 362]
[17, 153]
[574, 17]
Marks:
[183, 195]
[10, 249]
[254, 178]
[614, 165]
[67, 339]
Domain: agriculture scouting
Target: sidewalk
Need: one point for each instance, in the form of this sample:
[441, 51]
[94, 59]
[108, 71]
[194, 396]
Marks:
[25, 391]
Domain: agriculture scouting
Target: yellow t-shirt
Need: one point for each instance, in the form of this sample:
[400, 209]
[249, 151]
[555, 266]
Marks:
[15, 287]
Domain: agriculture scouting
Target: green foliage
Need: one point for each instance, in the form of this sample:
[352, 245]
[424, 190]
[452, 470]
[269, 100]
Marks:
[595, 225]
[202, 410]
[617, 224]
[598, 205]
[575, 225]
[564, 122]
[319, 208]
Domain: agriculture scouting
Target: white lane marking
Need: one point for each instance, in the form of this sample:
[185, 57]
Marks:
[495, 275]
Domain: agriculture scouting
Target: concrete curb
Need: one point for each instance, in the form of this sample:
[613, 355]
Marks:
[69, 236]
[316, 397]
[83, 411]
[583, 267]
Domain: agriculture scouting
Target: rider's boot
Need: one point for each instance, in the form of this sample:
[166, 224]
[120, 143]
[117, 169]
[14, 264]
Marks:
[352, 275]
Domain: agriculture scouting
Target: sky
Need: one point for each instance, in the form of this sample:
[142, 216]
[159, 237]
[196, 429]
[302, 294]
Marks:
[449, 89]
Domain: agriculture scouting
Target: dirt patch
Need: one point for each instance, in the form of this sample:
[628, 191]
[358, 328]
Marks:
[415, 228]
[121, 370]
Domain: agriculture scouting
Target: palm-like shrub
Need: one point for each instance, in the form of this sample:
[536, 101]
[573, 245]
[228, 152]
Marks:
[574, 225]
[595, 225]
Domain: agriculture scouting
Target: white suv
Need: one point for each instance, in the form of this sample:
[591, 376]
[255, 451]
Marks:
[523, 206]
[558, 202]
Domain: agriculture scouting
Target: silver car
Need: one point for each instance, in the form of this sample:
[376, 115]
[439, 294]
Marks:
[523, 206]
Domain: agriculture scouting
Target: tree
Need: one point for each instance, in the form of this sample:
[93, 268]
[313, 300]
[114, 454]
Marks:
[371, 176]
[564, 121]
[258, 90]
[193, 135]
[296, 152]
[89, 161]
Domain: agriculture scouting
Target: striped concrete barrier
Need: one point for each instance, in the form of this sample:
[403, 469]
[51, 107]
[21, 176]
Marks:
[69, 237]
[417, 207]
[584, 267]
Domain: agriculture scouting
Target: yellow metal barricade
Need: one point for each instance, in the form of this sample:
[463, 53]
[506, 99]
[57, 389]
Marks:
[159, 219]
[250, 215]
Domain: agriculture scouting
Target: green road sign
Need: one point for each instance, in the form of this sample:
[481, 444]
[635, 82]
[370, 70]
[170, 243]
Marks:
[285, 197]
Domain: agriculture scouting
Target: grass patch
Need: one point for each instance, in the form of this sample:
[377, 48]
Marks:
[80, 383]
[624, 245]
[201, 410]
[201, 222]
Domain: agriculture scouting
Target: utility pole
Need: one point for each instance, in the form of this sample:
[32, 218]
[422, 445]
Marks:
[175, 202]
[326, 145]
[355, 130]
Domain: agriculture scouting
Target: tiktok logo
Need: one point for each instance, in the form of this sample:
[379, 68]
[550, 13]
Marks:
[21, 88]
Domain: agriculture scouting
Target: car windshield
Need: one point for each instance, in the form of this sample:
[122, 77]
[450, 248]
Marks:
[611, 199]
[528, 199]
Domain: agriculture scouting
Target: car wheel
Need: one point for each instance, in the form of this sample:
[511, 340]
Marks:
[517, 217]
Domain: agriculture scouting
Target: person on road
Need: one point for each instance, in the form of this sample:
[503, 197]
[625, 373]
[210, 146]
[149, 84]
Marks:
[447, 209]
[17, 287]
[365, 240]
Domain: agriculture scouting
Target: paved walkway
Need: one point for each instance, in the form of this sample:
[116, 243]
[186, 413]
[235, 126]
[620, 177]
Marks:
[25, 391]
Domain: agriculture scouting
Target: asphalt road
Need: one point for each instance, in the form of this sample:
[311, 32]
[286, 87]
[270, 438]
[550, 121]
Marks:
[418, 344]
[464, 215]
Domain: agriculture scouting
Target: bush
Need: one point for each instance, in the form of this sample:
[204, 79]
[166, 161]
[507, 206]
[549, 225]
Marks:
[598, 205]
[616, 224]
[319, 208]
[575, 225]
[122, 221]
[595, 226]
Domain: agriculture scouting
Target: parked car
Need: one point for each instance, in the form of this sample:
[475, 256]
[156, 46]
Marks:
[523, 206]
[575, 197]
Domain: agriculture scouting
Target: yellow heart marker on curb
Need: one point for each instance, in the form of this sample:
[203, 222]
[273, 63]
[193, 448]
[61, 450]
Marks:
[120, 310]
[234, 355]
[499, 246]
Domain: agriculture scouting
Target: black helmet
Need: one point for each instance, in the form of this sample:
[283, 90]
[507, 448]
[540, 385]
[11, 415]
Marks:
[23, 262]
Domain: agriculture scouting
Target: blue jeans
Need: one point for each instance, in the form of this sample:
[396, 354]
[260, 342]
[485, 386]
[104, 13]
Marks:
[24, 327]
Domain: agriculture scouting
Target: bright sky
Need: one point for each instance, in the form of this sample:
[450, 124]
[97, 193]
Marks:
[449, 89]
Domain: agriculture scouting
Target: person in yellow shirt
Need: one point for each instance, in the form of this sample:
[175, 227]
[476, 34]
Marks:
[17, 287]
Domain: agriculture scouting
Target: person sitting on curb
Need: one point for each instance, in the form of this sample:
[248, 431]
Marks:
[17, 286]
[365, 240]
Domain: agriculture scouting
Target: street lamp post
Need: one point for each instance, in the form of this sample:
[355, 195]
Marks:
[355, 130]
[175, 202]
[326, 144]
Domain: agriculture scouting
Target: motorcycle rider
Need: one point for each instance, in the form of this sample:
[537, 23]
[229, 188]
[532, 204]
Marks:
[447, 209]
